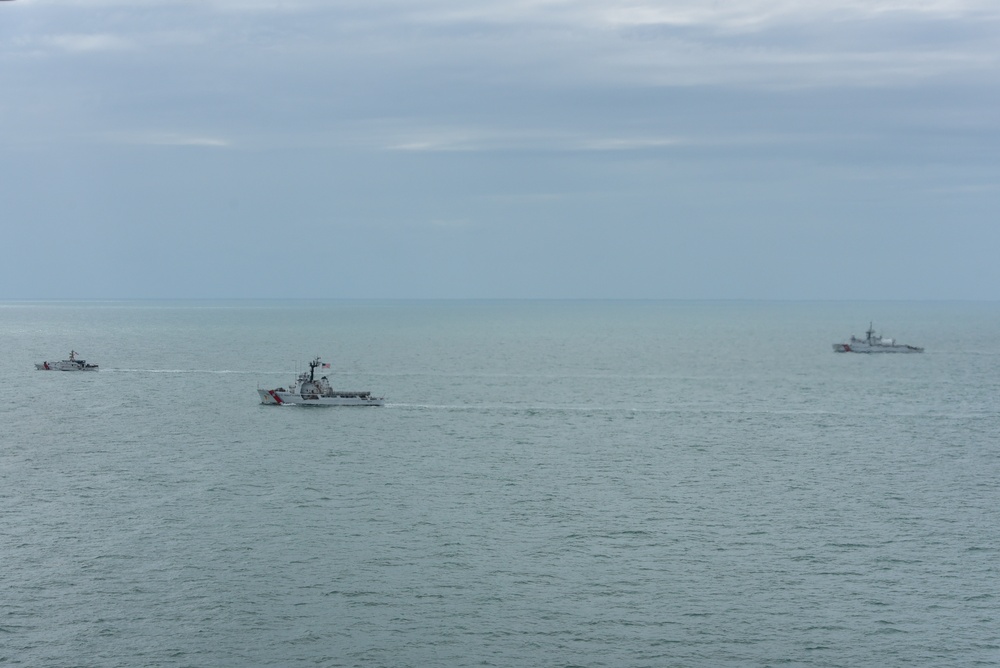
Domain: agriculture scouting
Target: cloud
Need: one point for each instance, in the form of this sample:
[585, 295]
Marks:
[172, 139]
[433, 145]
[87, 43]
[447, 139]
[244, 6]
[463, 139]
[563, 42]
[628, 143]
[460, 76]
[540, 139]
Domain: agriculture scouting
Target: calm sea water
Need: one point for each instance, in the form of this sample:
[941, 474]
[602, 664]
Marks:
[549, 484]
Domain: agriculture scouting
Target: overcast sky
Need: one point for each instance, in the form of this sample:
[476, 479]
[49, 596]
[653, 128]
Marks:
[759, 149]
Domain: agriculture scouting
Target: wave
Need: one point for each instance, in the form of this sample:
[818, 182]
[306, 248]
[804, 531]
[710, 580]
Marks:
[203, 371]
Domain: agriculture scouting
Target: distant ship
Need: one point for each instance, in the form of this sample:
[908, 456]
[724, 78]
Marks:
[72, 364]
[307, 391]
[874, 343]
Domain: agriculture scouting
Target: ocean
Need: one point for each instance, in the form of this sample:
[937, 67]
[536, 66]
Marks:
[550, 483]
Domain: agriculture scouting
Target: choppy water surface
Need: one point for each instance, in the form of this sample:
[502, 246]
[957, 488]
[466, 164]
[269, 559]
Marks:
[549, 484]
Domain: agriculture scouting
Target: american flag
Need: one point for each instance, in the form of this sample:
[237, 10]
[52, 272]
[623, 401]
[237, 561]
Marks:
[326, 366]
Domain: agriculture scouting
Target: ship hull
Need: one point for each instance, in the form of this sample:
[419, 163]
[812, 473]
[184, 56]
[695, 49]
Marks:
[276, 398]
[865, 348]
[874, 343]
[65, 366]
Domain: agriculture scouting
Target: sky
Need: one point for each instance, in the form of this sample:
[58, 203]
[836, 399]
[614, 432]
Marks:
[584, 149]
